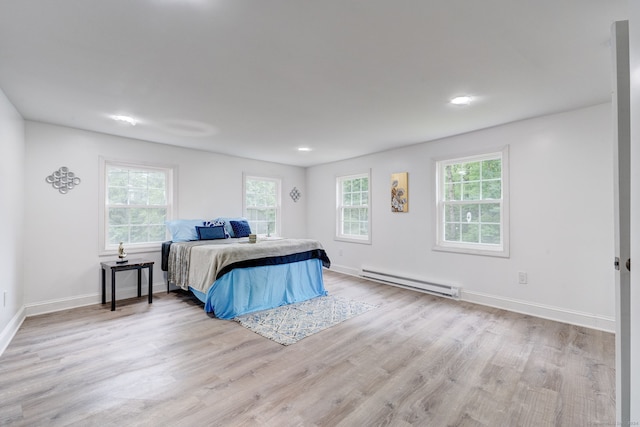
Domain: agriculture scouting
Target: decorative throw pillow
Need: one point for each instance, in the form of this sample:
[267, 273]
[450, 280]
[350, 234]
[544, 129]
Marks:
[211, 233]
[240, 228]
[215, 223]
[227, 221]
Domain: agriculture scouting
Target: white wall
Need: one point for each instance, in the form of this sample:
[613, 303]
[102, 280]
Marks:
[12, 148]
[61, 239]
[561, 218]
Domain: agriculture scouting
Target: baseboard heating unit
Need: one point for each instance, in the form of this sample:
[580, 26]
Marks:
[411, 283]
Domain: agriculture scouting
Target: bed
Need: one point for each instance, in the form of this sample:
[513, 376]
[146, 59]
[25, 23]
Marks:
[232, 276]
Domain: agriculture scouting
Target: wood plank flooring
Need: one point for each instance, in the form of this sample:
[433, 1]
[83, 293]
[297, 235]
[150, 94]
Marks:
[418, 360]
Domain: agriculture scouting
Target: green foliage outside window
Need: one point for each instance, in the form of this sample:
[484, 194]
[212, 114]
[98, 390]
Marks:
[261, 205]
[354, 209]
[472, 201]
[137, 205]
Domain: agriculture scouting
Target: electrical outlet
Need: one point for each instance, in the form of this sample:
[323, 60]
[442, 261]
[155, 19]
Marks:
[522, 278]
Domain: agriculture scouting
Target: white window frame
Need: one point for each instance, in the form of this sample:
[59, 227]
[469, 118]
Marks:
[171, 170]
[278, 207]
[498, 250]
[340, 209]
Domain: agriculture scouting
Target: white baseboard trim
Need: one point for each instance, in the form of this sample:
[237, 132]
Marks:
[345, 270]
[588, 320]
[10, 330]
[50, 306]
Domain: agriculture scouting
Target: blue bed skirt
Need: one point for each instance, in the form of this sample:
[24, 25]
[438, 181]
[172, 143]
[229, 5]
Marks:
[244, 290]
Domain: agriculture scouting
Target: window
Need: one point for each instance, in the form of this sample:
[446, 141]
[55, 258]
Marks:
[353, 199]
[473, 208]
[137, 202]
[262, 205]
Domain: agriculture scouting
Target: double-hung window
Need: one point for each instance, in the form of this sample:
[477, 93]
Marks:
[353, 198]
[262, 204]
[137, 200]
[472, 205]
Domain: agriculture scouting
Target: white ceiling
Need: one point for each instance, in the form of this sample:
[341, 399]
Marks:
[261, 78]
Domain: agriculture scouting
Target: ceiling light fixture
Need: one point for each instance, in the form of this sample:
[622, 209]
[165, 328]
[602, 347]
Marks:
[125, 119]
[304, 149]
[462, 100]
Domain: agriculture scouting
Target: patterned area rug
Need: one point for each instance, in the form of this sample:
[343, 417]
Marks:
[289, 324]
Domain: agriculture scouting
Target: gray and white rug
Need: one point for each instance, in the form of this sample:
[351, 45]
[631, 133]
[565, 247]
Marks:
[290, 323]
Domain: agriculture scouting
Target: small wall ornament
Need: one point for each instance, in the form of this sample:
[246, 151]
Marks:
[295, 194]
[63, 180]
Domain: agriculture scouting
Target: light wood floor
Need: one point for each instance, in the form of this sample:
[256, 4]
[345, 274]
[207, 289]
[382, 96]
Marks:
[417, 360]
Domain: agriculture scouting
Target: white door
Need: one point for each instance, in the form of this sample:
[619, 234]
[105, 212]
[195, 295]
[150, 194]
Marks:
[622, 206]
[634, 336]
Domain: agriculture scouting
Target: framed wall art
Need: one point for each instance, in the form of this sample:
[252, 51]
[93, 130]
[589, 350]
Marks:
[400, 192]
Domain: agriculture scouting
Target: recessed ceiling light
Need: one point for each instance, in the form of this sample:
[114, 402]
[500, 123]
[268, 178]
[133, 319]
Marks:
[125, 119]
[462, 100]
[304, 149]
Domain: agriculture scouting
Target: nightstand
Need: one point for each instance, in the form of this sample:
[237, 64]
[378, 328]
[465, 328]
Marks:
[132, 264]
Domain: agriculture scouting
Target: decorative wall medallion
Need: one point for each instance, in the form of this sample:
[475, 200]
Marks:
[63, 180]
[295, 194]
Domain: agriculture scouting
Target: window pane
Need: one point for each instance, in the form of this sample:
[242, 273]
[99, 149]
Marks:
[471, 191]
[118, 234]
[138, 216]
[490, 234]
[157, 233]
[491, 190]
[157, 216]
[472, 171]
[490, 213]
[139, 234]
[138, 179]
[117, 196]
[492, 169]
[118, 216]
[138, 197]
[118, 178]
[452, 232]
[157, 196]
[453, 192]
[452, 213]
[157, 180]
[471, 213]
[470, 233]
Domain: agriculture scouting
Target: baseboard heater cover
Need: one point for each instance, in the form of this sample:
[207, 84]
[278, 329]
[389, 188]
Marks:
[411, 283]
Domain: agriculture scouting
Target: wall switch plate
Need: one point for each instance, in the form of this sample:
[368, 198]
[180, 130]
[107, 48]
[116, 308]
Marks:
[522, 278]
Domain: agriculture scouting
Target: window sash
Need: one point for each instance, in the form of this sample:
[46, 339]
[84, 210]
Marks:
[472, 205]
[353, 215]
[136, 204]
[262, 204]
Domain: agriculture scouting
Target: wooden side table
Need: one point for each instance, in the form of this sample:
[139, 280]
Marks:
[132, 264]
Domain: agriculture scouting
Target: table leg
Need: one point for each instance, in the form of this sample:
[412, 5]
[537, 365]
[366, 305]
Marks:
[150, 283]
[104, 290]
[139, 282]
[113, 289]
